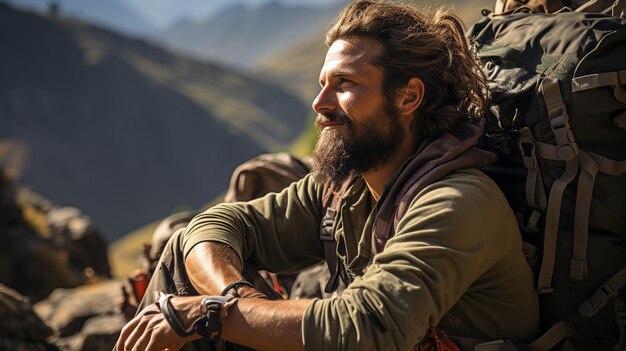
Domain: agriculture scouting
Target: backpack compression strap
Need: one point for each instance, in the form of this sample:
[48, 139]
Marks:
[590, 164]
[566, 150]
[535, 191]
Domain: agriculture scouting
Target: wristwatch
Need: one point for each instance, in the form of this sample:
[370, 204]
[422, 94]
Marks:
[209, 325]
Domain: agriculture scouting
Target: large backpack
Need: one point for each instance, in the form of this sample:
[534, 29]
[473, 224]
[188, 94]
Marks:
[558, 120]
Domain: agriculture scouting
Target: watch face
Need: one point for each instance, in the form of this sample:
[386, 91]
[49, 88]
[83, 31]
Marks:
[200, 326]
[211, 325]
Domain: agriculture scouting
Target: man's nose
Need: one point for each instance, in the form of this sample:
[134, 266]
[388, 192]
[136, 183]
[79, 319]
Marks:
[325, 101]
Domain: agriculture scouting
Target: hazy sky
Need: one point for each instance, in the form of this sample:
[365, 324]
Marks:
[158, 13]
[164, 12]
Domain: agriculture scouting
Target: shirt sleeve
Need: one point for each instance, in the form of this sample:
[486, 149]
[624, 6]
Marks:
[278, 232]
[442, 245]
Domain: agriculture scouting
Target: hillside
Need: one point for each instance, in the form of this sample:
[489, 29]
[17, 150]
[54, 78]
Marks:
[243, 36]
[123, 129]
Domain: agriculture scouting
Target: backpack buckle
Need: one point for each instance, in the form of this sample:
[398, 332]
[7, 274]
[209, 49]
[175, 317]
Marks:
[593, 304]
[527, 148]
[326, 232]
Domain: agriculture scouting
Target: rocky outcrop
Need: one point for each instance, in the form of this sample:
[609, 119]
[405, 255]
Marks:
[43, 246]
[73, 232]
[84, 318]
[20, 328]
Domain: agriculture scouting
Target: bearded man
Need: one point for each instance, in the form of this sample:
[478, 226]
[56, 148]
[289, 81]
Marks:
[422, 238]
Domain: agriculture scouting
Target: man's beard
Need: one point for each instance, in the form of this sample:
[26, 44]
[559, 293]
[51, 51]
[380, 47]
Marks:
[368, 145]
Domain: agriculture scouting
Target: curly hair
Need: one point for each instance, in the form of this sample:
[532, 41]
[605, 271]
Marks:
[432, 47]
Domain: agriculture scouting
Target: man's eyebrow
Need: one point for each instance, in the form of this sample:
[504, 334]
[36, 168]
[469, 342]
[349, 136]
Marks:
[343, 73]
[340, 74]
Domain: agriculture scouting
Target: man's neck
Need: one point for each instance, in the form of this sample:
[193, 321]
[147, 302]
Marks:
[377, 179]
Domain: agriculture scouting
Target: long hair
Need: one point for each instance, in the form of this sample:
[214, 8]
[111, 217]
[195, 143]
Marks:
[432, 47]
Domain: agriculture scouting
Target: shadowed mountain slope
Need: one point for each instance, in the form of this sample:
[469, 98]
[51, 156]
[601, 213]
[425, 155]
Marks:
[123, 129]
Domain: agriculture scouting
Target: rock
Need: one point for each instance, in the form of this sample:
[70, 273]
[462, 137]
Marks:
[34, 233]
[67, 310]
[102, 332]
[20, 327]
[73, 232]
[84, 318]
[98, 334]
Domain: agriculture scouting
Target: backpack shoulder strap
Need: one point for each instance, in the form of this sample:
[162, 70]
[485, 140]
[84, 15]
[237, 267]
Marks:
[332, 203]
[438, 159]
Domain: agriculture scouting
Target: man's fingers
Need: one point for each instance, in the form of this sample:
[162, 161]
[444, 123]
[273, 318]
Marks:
[147, 337]
[125, 333]
[141, 329]
[132, 325]
[150, 331]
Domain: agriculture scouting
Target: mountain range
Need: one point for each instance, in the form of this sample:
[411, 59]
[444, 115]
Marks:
[123, 129]
[113, 14]
[243, 36]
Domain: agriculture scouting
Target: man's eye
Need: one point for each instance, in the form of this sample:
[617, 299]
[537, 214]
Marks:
[343, 84]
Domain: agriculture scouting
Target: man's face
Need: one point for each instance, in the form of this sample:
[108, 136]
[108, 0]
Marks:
[359, 128]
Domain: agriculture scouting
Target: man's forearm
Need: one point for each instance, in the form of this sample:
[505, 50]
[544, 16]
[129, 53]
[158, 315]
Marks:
[257, 323]
[264, 324]
[212, 266]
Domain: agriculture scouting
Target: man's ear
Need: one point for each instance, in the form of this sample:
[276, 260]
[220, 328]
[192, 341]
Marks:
[411, 97]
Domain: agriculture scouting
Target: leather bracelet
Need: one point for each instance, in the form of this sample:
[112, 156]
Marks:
[233, 286]
[171, 316]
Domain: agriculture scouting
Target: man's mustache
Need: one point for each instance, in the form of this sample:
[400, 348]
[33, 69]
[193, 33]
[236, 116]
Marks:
[331, 118]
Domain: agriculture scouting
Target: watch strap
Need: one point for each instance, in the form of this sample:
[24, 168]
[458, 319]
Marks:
[208, 325]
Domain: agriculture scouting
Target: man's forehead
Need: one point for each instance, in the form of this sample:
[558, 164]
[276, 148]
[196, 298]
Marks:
[352, 52]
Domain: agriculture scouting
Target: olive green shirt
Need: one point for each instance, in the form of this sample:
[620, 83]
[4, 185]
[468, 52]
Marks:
[457, 249]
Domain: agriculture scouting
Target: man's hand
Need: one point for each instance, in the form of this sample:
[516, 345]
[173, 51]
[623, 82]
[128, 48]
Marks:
[150, 331]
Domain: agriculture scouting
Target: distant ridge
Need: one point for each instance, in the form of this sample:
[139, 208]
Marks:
[124, 130]
[114, 14]
[244, 36]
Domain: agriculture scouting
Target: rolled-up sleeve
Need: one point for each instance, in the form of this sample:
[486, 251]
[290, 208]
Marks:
[440, 248]
[278, 232]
